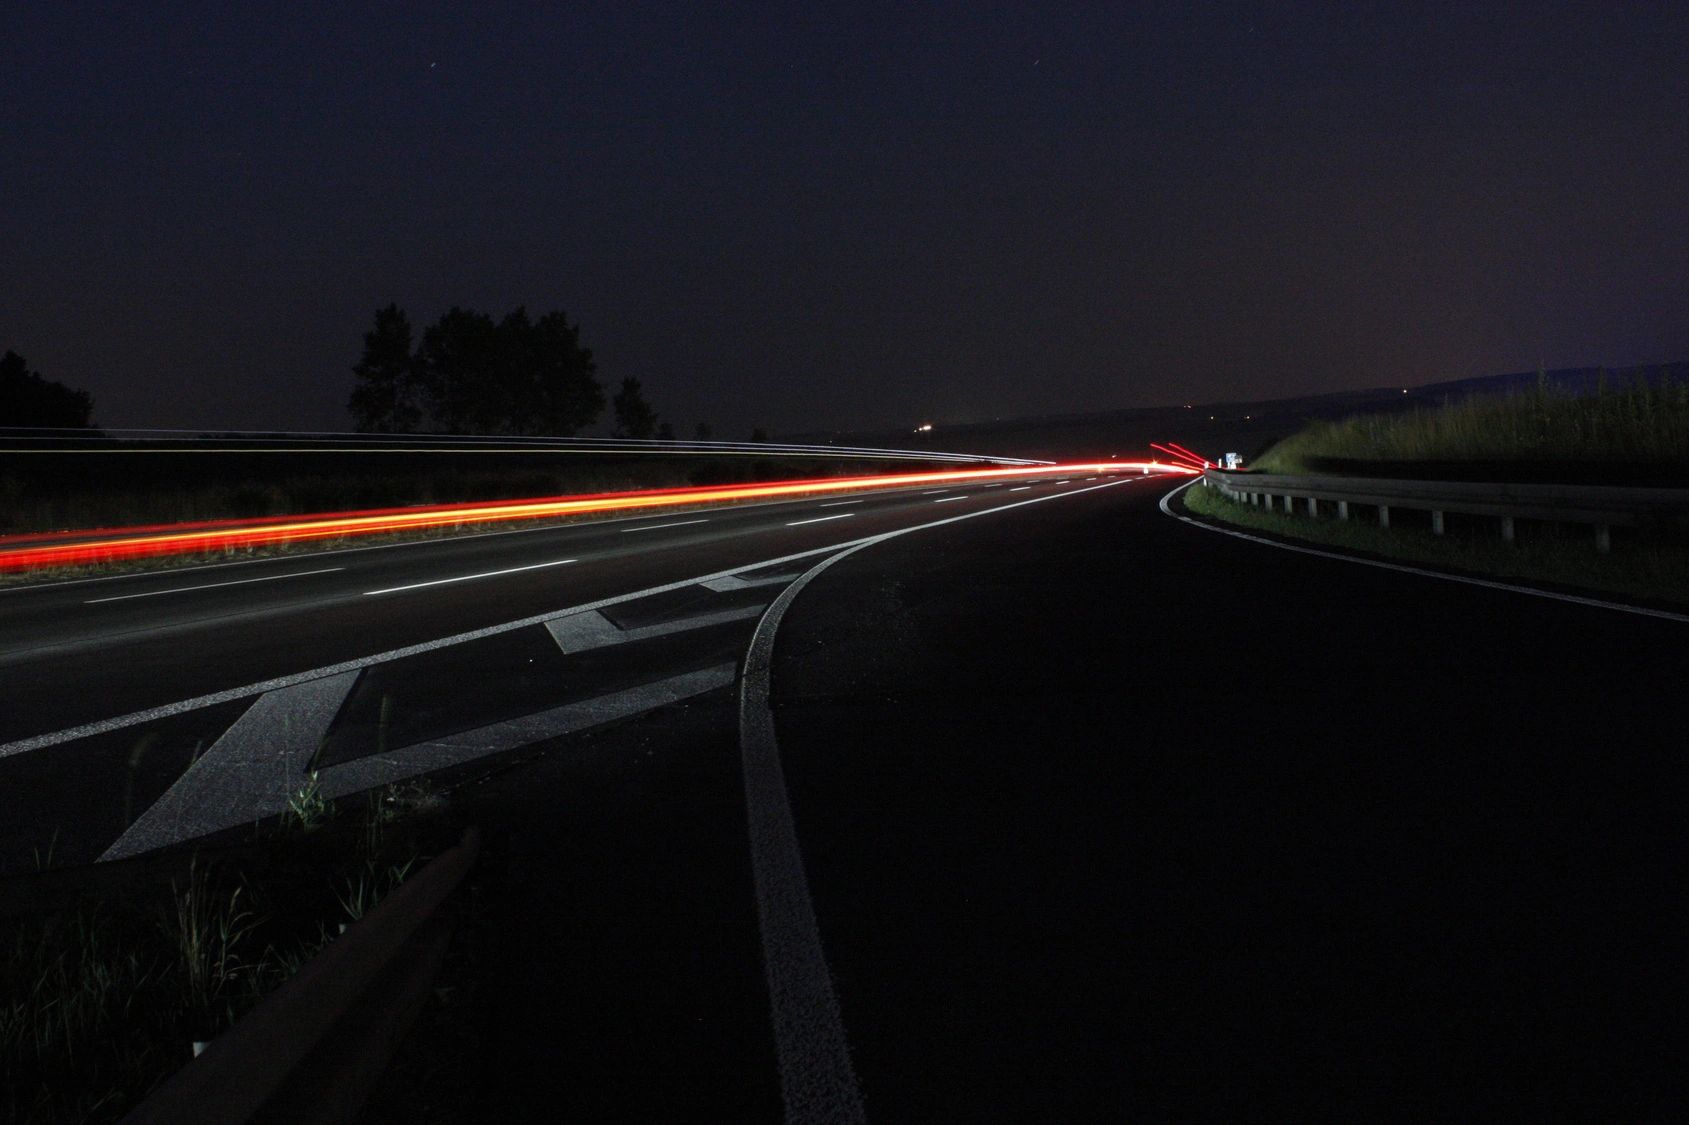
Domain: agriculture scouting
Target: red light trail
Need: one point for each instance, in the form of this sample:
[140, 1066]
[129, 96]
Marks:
[72, 548]
[1180, 458]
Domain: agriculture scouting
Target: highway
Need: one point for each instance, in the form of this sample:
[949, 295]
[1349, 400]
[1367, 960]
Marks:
[1062, 809]
[94, 667]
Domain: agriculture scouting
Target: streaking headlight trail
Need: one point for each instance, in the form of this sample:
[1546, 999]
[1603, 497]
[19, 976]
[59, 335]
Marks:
[71, 548]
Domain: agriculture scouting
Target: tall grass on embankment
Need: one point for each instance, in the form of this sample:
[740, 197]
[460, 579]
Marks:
[1642, 428]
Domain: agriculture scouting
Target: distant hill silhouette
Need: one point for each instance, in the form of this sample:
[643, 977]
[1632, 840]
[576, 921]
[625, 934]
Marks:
[1245, 426]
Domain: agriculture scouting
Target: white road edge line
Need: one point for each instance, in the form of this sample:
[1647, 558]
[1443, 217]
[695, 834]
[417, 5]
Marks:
[659, 526]
[164, 711]
[821, 519]
[467, 577]
[817, 1081]
[1574, 599]
[213, 585]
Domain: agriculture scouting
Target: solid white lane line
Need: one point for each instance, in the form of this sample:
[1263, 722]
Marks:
[822, 519]
[1574, 599]
[817, 1081]
[213, 585]
[947, 499]
[657, 526]
[467, 577]
[838, 503]
[1020, 488]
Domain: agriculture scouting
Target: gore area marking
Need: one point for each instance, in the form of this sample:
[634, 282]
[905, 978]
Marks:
[249, 773]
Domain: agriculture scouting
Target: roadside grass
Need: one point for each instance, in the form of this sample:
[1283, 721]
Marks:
[1647, 571]
[1638, 425]
[105, 995]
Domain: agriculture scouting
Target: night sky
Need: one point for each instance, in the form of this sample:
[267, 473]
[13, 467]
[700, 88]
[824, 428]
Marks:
[800, 217]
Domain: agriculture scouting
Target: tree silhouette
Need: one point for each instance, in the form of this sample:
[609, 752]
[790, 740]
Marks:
[455, 371]
[567, 395]
[27, 399]
[634, 416]
[515, 376]
[384, 400]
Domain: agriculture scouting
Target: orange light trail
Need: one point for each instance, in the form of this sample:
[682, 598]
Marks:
[70, 548]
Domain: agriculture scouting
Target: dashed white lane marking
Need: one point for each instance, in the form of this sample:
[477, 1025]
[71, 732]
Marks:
[837, 503]
[248, 773]
[1064, 480]
[1020, 488]
[468, 577]
[212, 585]
[1574, 599]
[947, 499]
[660, 526]
[821, 519]
[934, 491]
[582, 632]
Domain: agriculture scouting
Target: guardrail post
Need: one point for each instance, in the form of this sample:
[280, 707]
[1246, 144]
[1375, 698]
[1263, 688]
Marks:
[1342, 509]
[1436, 522]
[1314, 507]
[1603, 538]
[1507, 529]
[1383, 515]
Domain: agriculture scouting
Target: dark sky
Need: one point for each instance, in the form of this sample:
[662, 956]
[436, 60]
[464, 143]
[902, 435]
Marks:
[805, 216]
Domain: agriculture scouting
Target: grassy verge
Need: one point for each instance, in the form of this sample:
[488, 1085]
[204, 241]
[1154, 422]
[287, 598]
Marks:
[1650, 572]
[1645, 426]
[104, 993]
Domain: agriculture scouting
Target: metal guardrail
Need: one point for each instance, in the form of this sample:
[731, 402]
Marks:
[313, 1049]
[1599, 506]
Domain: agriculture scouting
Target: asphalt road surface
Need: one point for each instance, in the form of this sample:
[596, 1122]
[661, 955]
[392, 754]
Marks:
[1067, 811]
